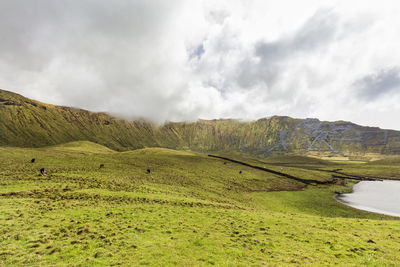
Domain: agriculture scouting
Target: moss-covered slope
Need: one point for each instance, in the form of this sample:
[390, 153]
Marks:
[29, 123]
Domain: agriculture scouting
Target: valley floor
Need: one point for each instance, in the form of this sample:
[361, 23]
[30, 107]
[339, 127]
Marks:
[189, 210]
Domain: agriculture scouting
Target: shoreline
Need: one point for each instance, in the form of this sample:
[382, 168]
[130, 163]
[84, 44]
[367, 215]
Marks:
[339, 198]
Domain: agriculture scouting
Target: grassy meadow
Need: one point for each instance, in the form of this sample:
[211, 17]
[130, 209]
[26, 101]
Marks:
[190, 210]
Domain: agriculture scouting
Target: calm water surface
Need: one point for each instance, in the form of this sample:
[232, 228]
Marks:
[376, 196]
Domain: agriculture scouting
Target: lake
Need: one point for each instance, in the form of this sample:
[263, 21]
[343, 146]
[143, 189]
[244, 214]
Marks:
[375, 196]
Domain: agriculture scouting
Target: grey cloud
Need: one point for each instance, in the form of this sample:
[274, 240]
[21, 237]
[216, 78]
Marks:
[197, 52]
[95, 54]
[273, 57]
[379, 84]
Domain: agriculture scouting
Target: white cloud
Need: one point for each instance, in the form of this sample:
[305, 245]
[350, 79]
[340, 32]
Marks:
[184, 60]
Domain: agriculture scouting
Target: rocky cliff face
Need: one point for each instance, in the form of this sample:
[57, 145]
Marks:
[281, 135]
[25, 122]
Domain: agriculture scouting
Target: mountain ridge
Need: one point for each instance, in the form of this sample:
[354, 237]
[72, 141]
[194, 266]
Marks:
[30, 123]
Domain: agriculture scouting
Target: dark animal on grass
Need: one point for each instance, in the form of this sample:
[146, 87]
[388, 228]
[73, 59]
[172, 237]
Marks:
[240, 172]
[101, 166]
[33, 160]
[43, 172]
[148, 171]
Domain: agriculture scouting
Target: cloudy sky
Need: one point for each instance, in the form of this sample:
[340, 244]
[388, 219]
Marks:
[183, 60]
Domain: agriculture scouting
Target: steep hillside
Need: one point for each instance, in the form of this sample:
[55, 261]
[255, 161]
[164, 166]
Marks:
[29, 123]
[283, 135]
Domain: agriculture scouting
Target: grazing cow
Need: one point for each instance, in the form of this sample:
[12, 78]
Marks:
[32, 160]
[148, 171]
[101, 166]
[224, 163]
[240, 172]
[43, 172]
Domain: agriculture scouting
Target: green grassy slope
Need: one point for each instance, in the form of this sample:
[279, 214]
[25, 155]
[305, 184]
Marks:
[190, 210]
[386, 169]
[29, 123]
[297, 166]
[388, 161]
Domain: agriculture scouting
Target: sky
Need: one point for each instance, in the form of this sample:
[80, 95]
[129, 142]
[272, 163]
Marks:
[186, 60]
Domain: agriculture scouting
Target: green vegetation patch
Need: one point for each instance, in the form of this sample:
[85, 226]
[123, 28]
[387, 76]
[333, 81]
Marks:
[189, 210]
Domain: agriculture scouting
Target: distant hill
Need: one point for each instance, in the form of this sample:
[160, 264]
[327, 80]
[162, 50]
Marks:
[29, 123]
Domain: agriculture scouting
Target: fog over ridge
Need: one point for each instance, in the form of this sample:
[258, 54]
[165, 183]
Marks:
[184, 60]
